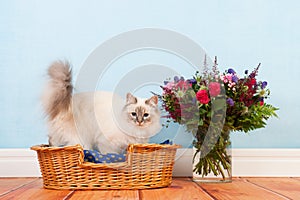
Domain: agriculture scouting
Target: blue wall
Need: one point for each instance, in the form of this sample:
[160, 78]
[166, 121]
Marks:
[241, 33]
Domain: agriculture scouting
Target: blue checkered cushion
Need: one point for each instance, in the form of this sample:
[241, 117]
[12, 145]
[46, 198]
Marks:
[97, 157]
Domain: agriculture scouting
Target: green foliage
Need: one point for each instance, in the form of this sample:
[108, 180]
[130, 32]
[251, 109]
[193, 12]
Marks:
[225, 102]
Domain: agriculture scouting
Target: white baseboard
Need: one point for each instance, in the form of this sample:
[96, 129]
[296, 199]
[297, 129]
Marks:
[246, 162]
[19, 163]
[250, 162]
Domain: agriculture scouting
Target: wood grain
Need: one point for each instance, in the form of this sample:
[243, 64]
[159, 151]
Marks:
[239, 189]
[106, 195]
[9, 184]
[181, 188]
[285, 186]
[36, 191]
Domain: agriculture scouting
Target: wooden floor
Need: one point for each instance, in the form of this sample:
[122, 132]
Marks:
[181, 188]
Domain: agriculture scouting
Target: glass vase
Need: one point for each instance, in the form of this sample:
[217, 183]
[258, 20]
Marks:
[212, 158]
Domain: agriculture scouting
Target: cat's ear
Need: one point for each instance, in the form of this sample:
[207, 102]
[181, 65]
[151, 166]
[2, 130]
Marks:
[153, 101]
[130, 99]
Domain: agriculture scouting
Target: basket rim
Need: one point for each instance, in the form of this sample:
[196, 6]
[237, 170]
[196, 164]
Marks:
[46, 147]
[78, 146]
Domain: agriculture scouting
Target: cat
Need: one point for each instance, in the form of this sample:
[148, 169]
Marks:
[98, 120]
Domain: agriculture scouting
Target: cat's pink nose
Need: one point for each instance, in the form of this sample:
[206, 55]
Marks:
[140, 123]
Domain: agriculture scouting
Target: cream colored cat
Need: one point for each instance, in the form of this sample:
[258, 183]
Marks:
[101, 121]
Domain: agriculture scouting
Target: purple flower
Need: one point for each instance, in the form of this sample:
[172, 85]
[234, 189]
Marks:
[182, 78]
[176, 79]
[192, 81]
[231, 71]
[166, 82]
[230, 101]
[264, 84]
[234, 79]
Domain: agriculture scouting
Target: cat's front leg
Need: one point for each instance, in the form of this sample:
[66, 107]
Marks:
[107, 145]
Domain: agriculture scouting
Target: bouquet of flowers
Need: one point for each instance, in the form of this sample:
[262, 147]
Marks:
[212, 104]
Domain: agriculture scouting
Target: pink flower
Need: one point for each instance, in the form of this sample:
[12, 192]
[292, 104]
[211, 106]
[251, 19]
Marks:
[183, 85]
[202, 96]
[170, 85]
[214, 89]
[222, 77]
[229, 77]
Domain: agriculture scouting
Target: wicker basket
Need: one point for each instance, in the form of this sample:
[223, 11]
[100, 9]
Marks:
[146, 166]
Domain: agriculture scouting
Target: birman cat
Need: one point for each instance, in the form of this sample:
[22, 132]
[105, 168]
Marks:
[98, 120]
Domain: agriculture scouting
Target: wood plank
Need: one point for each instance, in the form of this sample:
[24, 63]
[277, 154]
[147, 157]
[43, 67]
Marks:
[35, 190]
[9, 184]
[285, 186]
[106, 194]
[181, 188]
[238, 189]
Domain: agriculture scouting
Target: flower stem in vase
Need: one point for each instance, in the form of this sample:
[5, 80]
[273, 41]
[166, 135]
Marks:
[213, 165]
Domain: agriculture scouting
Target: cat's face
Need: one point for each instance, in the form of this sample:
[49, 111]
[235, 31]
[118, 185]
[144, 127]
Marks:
[141, 113]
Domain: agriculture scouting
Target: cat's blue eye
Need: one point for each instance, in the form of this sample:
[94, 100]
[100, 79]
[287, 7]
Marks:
[133, 114]
[146, 115]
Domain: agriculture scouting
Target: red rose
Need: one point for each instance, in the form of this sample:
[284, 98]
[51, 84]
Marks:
[214, 89]
[202, 96]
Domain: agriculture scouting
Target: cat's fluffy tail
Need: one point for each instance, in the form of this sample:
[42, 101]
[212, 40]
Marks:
[57, 95]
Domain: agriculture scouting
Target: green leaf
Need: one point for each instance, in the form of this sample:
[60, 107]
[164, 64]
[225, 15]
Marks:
[202, 111]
